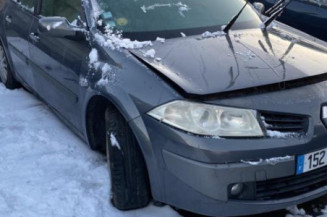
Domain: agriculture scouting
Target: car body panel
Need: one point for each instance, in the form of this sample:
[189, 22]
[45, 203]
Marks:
[238, 61]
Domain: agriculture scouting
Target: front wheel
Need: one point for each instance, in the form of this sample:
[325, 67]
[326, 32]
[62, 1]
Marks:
[6, 75]
[129, 178]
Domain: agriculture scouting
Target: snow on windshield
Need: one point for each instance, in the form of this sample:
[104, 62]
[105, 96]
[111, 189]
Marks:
[181, 7]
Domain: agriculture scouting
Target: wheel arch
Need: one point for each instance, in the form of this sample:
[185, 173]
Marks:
[97, 101]
[140, 132]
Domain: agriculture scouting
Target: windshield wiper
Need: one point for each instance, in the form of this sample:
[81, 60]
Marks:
[276, 12]
[277, 6]
[231, 23]
[272, 10]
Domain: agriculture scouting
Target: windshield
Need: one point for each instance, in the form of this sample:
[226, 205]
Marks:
[147, 19]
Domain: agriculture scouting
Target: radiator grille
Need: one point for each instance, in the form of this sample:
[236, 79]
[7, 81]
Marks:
[285, 123]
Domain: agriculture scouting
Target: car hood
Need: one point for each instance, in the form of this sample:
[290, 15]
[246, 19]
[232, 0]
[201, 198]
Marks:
[241, 60]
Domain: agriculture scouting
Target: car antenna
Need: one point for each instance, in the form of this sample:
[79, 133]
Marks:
[231, 23]
[276, 13]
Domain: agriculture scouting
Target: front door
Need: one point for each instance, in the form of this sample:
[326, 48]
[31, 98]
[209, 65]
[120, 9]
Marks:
[59, 62]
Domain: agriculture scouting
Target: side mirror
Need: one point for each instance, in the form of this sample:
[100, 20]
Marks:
[259, 7]
[59, 27]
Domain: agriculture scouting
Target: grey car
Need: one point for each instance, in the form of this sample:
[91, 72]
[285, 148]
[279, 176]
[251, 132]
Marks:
[220, 123]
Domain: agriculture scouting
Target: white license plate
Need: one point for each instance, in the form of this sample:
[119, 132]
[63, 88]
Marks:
[311, 161]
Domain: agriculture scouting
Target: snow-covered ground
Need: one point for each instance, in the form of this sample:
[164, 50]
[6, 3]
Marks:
[46, 171]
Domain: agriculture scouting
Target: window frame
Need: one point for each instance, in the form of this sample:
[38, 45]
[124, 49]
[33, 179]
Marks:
[81, 11]
[24, 7]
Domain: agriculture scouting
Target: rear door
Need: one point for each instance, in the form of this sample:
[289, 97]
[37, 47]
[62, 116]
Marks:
[59, 62]
[18, 22]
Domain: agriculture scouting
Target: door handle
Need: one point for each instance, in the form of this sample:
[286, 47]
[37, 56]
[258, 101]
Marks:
[8, 19]
[34, 37]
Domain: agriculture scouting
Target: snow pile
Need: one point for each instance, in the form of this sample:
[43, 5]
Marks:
[115, 41]
[150, 53]
[181, 7]
[324, 212]
[208, 34]
[276, 160]
[47, 171]
[296, 212]
[162, 40]
[270, 161]
[114, 141]
[94, 57]
[31, 9]
[278, 134]
[145, 9]
[107, 73]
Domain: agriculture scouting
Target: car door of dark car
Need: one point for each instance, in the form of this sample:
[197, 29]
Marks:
[301, 14]
[318, 26]
[59, 62]
[18, 22]
[309, 16]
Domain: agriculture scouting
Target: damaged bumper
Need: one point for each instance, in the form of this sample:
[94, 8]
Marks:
[233, 177]
[241, 176]
[264, 187]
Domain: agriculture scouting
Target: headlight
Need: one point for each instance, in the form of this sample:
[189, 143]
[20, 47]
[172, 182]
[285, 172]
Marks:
[209, 120]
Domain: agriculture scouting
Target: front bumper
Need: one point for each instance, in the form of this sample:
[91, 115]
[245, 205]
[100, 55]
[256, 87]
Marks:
[196, 172]
[205, 186]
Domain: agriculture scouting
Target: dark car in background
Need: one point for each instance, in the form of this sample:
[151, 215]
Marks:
[309, 16]
[221, 123]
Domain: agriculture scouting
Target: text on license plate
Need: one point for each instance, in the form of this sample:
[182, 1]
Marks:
[311, 161]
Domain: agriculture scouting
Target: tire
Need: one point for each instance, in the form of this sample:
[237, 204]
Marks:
[6, 75]
[129, 178]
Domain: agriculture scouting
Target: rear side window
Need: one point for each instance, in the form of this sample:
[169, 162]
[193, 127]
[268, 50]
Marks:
[69, 9]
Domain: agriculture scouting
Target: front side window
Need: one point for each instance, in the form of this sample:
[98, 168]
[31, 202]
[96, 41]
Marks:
[69, 9]
[164, 17]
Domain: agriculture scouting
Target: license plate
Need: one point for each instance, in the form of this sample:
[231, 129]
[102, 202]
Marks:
[311, 161]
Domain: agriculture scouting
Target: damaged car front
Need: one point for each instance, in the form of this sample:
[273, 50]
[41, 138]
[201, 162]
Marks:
[231, 122]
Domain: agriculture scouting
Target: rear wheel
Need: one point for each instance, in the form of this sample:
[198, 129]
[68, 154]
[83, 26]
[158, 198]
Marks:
[6, 75]
[129, 178]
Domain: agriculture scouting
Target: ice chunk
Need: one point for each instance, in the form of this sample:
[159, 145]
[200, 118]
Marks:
[114, 141]
[150, 53]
